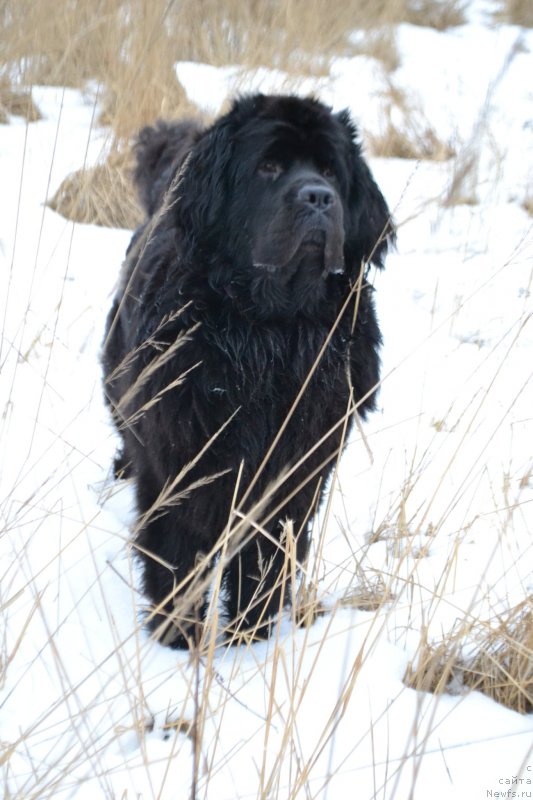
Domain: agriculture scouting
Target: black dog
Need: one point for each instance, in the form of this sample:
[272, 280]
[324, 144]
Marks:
[242, 339]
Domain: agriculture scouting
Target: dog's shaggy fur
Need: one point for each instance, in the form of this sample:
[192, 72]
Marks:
[242, 337]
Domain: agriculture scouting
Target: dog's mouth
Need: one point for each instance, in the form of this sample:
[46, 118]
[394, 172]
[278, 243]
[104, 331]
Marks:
[319, 247]
[314, 240]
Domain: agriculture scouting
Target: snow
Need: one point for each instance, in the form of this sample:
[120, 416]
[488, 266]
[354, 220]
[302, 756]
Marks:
[86, 698]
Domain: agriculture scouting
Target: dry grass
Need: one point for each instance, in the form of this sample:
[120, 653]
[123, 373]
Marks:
[380, 43]
[132, 54]
[437, 14]
[465, 175]
[527, 205]
[408, 133]
[16, 102]
[516, 12]
[463, 183]
[101, 195]
[60, 44]
[499, 662]
[397, 142]
[97, 40]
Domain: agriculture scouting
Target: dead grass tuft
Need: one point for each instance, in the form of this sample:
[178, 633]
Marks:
[516, 12]
[433, 668]
[501, 666]
[369, 595]
[408, 133]
[397, 143]
[527, 205]
[438, 14]
[16, 102]
[102, 195]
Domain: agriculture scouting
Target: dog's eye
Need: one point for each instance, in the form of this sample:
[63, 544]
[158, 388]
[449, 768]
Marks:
[270, 168]
[327, 171]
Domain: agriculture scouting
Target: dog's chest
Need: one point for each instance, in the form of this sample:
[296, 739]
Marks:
[272, 364]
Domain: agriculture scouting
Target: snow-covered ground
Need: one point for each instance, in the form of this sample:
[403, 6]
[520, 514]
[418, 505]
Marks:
[434, 503]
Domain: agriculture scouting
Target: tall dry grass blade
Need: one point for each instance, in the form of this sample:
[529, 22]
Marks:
[464, 181]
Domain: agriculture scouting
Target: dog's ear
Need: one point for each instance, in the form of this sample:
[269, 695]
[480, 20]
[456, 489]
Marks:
[370, 229]
[160, 150]
[200, 187]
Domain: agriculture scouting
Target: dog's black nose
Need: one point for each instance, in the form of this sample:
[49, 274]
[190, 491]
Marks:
[316, 196]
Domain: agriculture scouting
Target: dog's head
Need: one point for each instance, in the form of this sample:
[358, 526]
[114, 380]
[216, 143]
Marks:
[278, 186]
[293, 191]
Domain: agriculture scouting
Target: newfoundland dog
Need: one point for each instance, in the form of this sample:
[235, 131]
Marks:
[240, 345]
